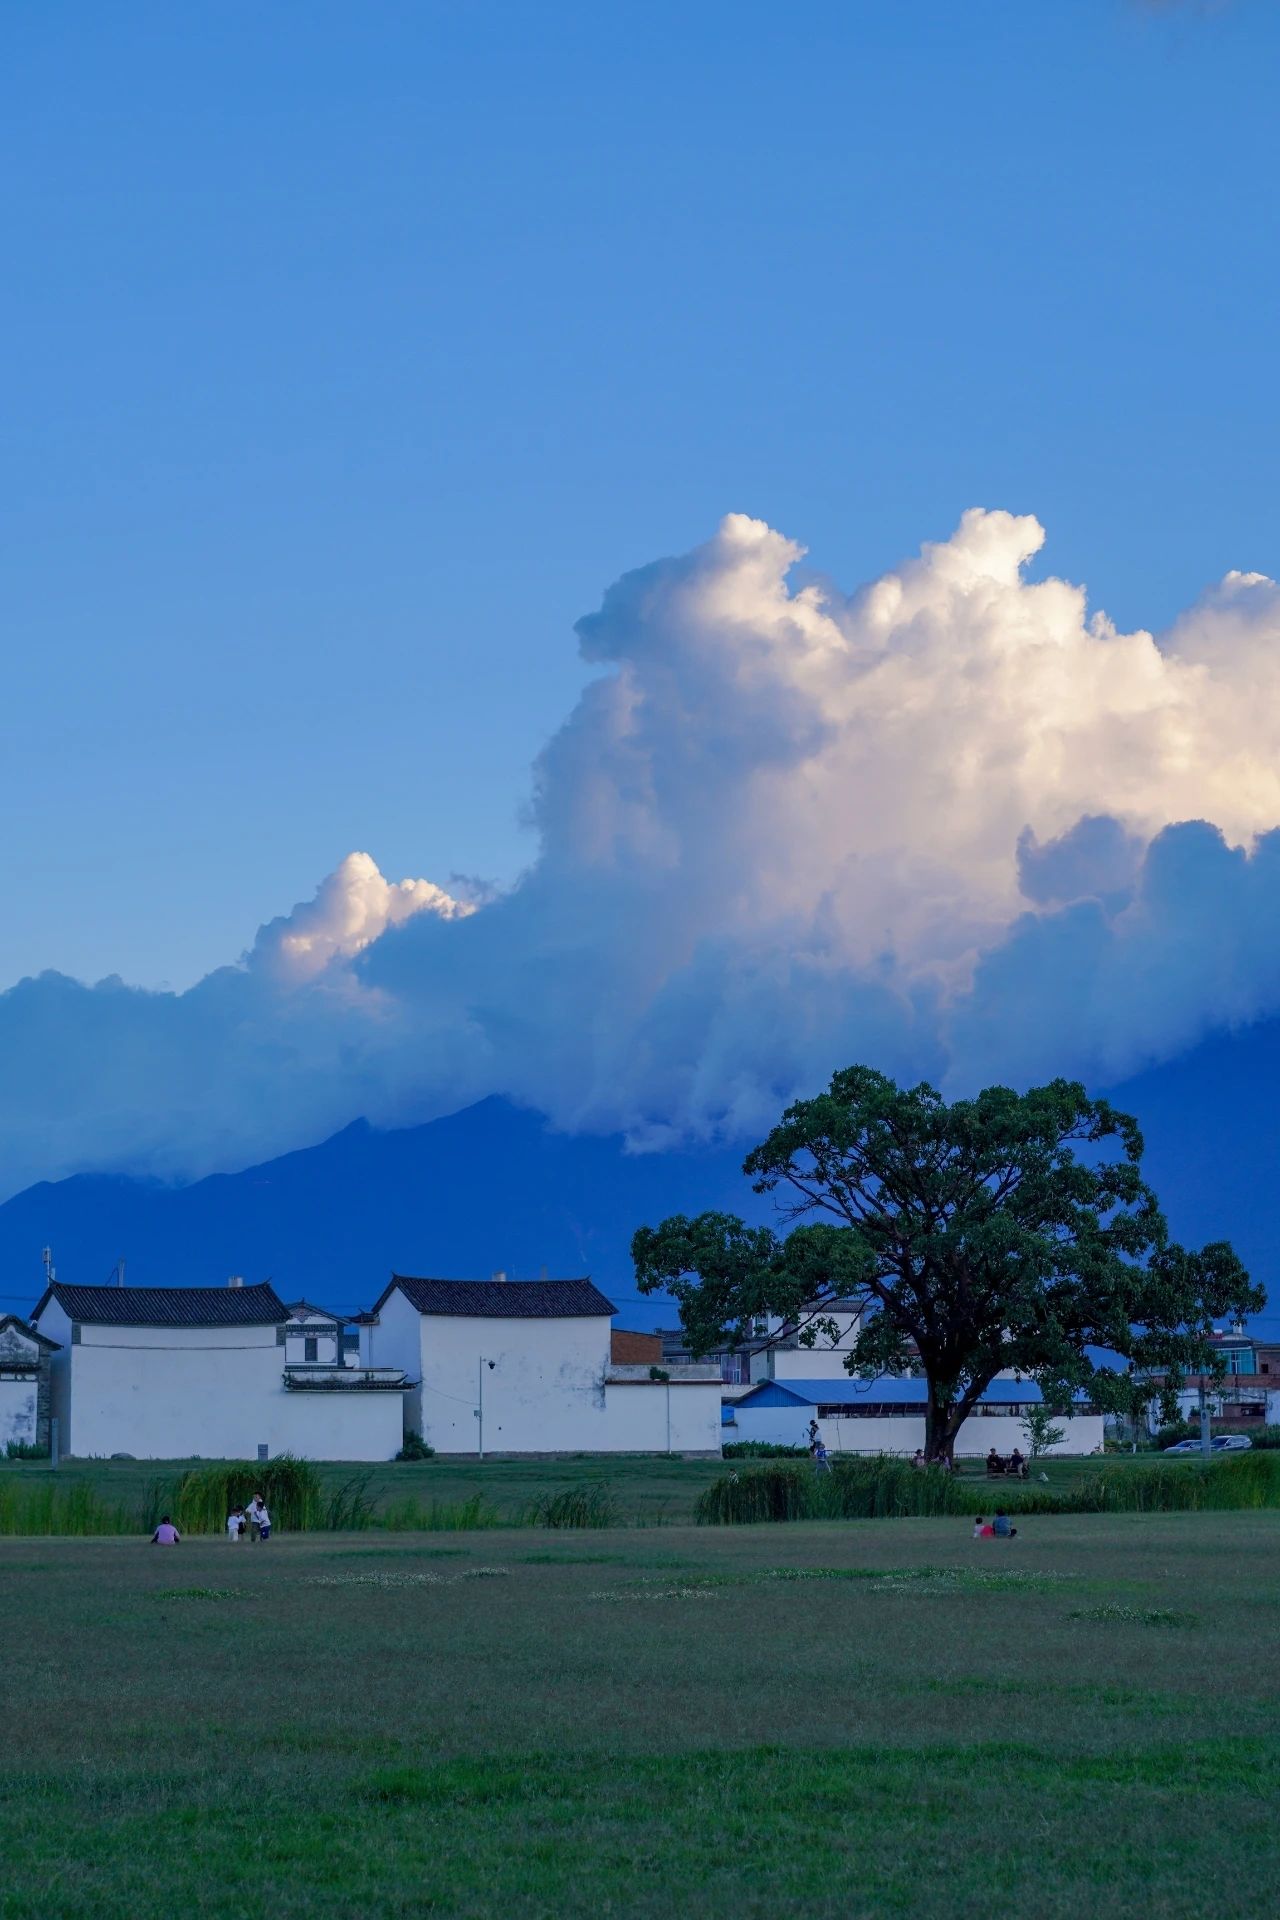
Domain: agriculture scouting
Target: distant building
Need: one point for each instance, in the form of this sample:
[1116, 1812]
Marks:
[26, 1398]
[171, 1373]
[775, 1349]
[628, 1349]
[526, 1366]
[1247, 1395]
[886, 1415]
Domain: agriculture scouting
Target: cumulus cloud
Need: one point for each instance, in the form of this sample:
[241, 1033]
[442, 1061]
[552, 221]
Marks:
[351, 908]
[940, 823]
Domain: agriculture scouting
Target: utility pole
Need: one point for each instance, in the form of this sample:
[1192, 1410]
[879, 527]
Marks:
[50, 1271]
[1206, 1438]
[481, 1364]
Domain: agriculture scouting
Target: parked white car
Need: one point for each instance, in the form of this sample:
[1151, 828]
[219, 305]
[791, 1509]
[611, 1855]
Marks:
[1232, 1443]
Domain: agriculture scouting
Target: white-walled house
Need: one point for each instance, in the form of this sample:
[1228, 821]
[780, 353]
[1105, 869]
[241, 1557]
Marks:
[25, 1384]
[172, 1373]
[886, 1415]
[786, 1359]
[524, 1366]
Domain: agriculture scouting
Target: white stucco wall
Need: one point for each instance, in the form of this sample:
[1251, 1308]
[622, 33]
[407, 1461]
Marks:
[55, 1325]
[216, 1393]
[659, 1418]
[18, 1406]
[544, 1394]
[396, 1339]
[343, 1425]
[789, 1426]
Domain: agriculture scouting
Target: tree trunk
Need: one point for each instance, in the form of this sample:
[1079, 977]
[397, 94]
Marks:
[939, 1434]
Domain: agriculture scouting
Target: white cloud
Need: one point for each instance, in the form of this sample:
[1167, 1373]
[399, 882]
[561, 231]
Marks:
[351, 908]
[782, 828]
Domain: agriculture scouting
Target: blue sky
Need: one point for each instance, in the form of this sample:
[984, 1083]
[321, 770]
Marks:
[352, 352]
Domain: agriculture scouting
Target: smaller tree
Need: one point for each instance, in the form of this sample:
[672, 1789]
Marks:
[1042, 1435]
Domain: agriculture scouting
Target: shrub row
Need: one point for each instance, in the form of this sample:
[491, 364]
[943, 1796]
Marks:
[869, 1489]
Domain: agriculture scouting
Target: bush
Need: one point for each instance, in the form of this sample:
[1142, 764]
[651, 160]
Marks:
[762, 1450]
[24, 1450]
[885, 1488]
[591, 1506]
[1268, 1438]
[415, 1448]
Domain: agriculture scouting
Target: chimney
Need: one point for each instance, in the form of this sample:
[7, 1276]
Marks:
[500, 1276]
[236, 1280]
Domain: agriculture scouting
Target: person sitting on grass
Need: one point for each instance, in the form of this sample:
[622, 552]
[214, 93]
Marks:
[982, 1529]
[1017, 1464]
[166, 1534]
[994, 1463]
[917, 1458]
[1001, 1528]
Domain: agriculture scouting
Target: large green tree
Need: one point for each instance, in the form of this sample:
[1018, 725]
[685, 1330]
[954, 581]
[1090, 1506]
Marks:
[1013, 1230]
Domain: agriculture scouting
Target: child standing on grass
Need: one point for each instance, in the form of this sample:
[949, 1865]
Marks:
[235, 1524]
[264, 1521]
[254, 1516]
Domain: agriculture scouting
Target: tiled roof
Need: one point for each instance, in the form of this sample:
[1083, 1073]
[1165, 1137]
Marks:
[167, 1306]
[887, 1390]
[502, 1299]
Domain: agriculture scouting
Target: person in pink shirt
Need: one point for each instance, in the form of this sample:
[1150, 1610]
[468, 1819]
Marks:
[166, 1534]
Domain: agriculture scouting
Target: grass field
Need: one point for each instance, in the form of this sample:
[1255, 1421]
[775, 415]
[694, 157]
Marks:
[882, 1717]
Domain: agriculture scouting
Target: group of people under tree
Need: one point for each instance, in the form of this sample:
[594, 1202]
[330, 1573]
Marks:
[254, 1520]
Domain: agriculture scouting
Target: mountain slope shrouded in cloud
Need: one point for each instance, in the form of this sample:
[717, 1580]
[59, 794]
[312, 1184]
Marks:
[494, 1187]
[950, 823]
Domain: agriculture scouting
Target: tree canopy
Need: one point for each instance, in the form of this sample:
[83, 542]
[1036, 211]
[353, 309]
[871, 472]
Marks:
[1008, 1231]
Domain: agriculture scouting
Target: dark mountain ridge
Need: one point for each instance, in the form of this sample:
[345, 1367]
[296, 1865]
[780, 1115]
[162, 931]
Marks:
[494, 1187]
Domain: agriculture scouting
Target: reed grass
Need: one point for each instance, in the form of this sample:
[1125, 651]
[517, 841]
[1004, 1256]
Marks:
[884, 1488]
[407, 1515]
[592, 1505]
[47, 1506]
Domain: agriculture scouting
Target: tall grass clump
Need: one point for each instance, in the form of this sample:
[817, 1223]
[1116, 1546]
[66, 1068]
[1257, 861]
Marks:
[203, 1496]
[407, 1515]
[870, 1489]
[47, 1506]
[593, 1505]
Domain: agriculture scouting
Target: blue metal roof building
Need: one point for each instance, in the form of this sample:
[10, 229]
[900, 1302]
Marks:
[894, 1391]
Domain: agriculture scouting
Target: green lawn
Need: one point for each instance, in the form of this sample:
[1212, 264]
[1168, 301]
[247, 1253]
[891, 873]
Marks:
[829, 1720]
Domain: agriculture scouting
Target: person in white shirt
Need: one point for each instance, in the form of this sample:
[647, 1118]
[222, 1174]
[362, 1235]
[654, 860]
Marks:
[235, 1524]
[256, 1510]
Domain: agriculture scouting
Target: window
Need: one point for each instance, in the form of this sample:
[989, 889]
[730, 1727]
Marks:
[1239, 1360]
[310, 1348]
